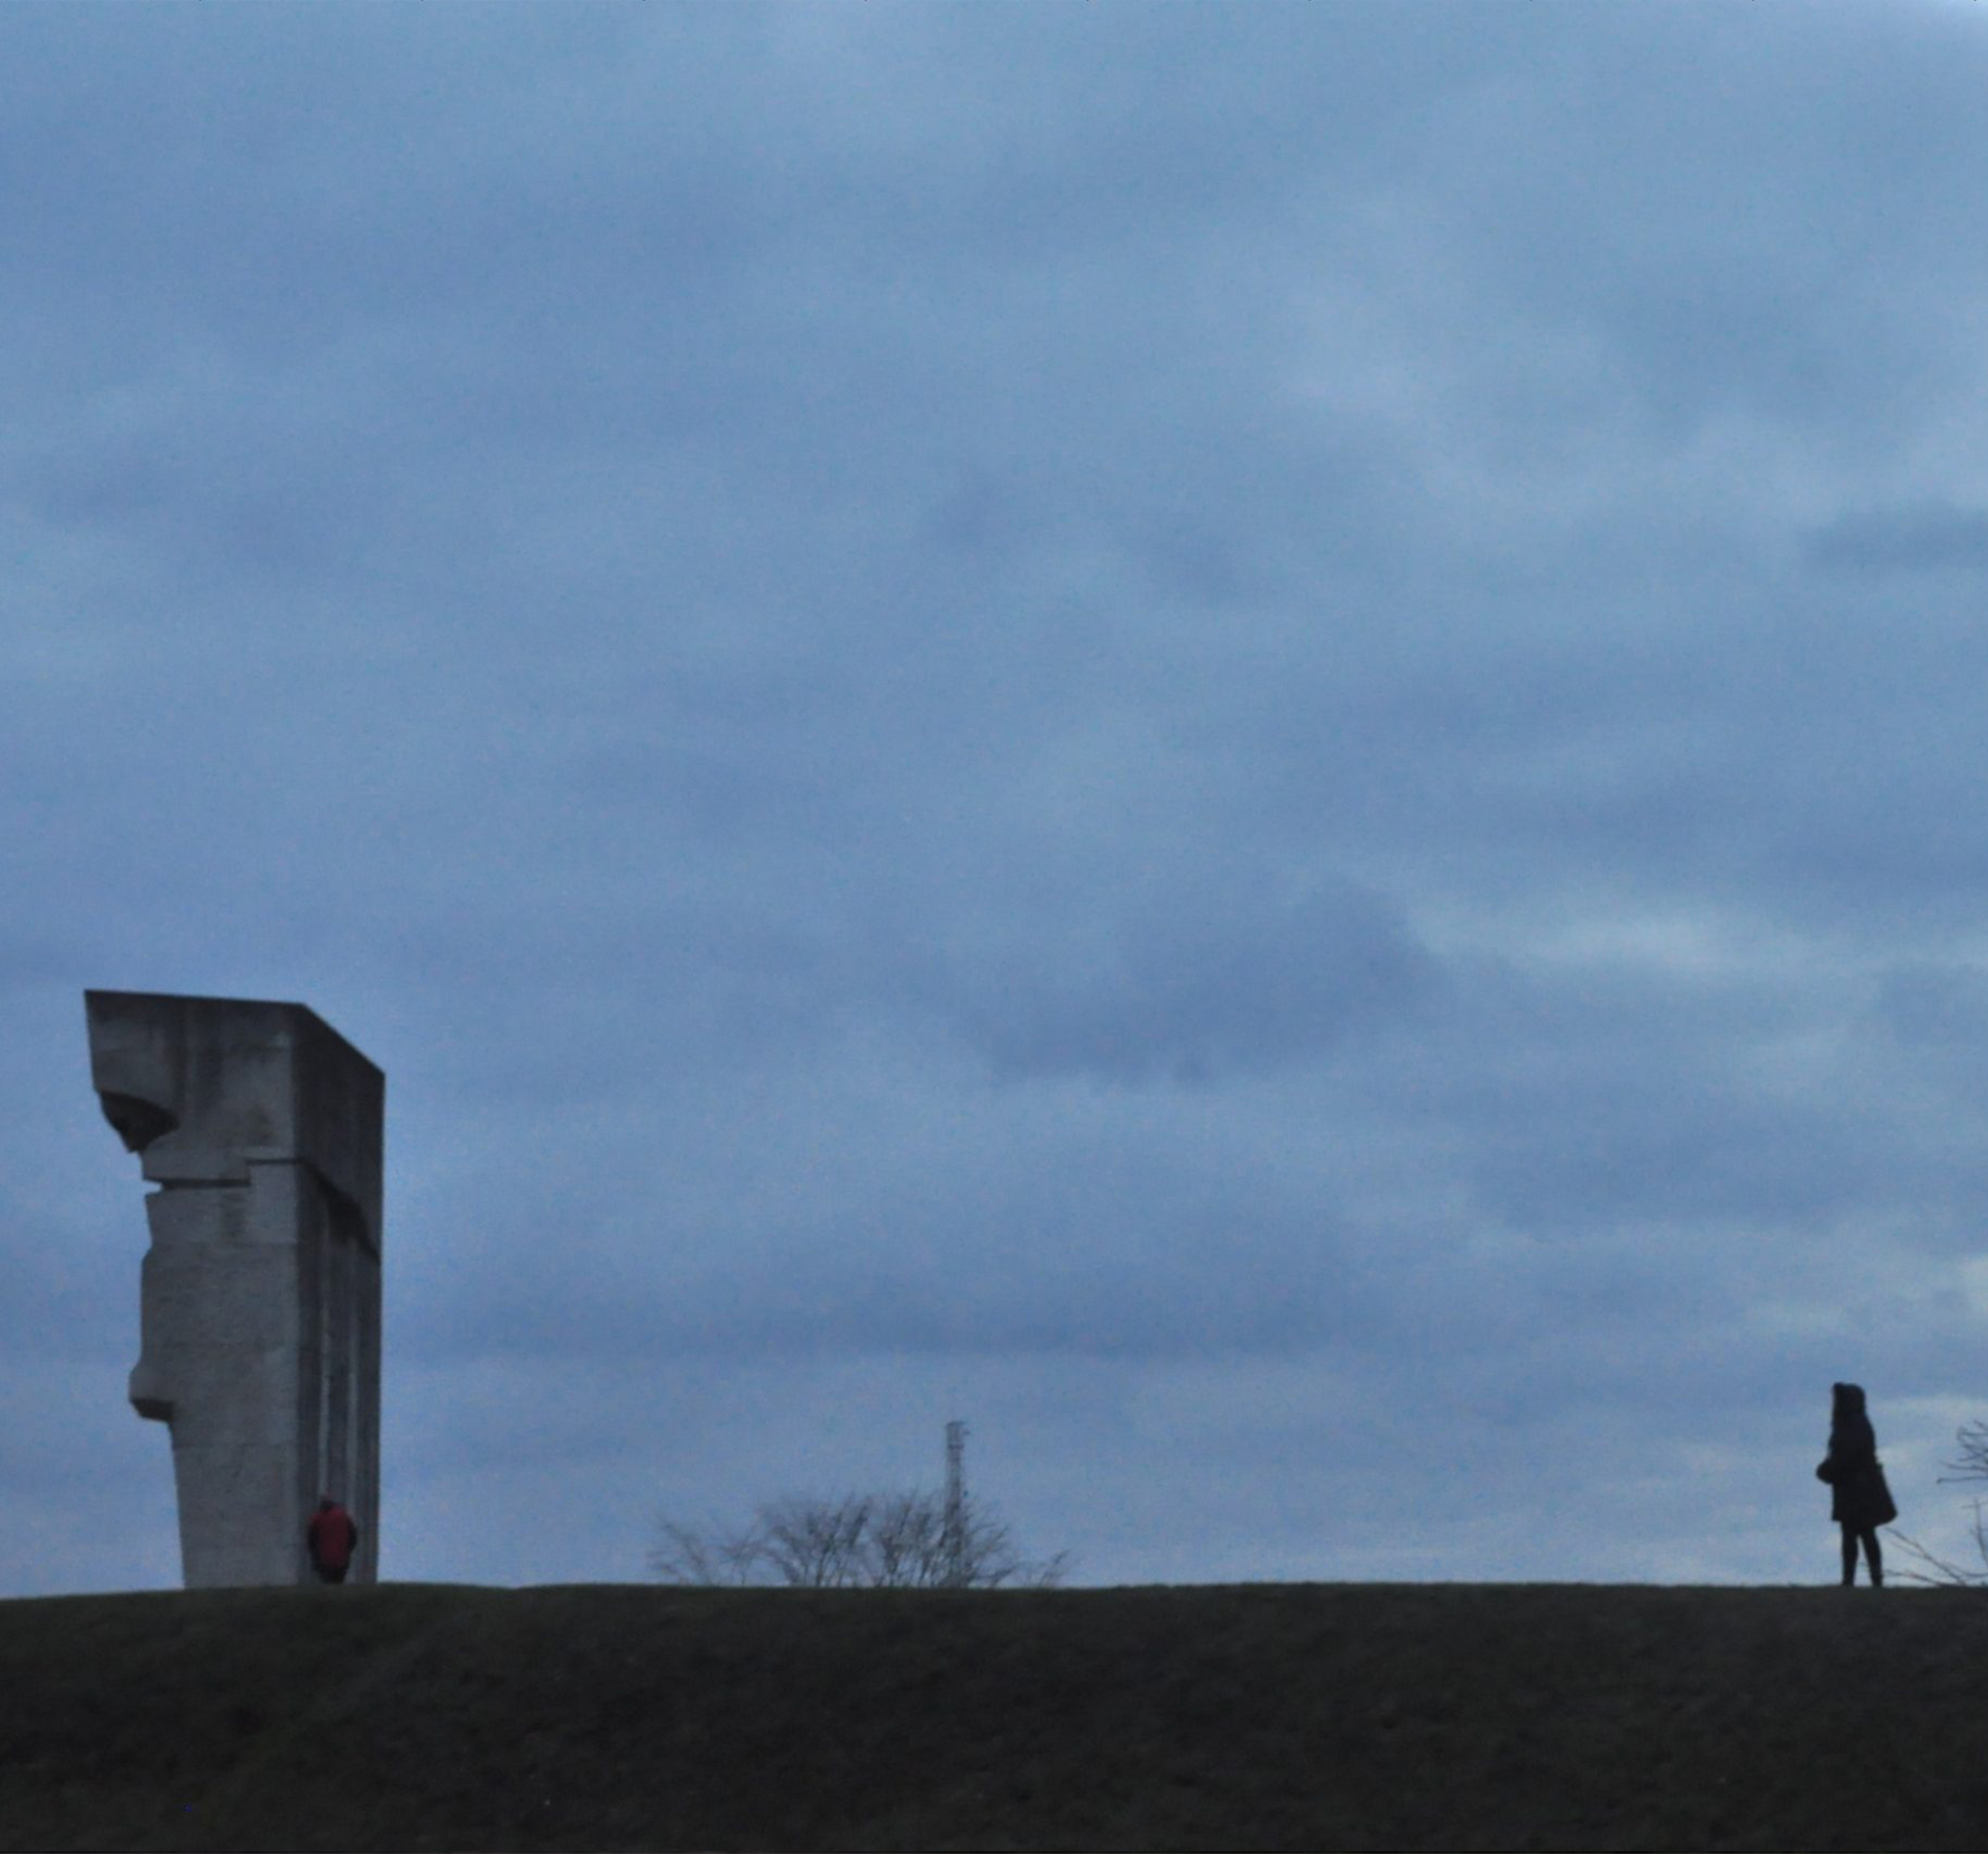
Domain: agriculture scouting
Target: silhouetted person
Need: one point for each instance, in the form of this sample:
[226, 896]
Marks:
[333, 1536]
[1860, 1501]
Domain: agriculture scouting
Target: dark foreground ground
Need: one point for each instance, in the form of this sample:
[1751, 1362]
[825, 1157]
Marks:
[1288, 1715]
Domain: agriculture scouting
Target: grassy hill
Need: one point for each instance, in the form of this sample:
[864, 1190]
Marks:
[1293, 1716]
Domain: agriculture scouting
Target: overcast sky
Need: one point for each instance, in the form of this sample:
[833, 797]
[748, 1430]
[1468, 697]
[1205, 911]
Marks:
[1247, 741]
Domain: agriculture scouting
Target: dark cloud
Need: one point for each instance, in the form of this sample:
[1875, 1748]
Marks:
[1907, 540]
[1194, 985]
[1938, 1006]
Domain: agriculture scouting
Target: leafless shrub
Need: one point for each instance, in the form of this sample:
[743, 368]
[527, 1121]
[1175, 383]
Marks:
[883, 1541]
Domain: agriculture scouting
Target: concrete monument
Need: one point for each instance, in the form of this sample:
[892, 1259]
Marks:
[260, 1301]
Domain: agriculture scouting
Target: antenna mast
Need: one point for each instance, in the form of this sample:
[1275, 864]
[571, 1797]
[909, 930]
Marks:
[953, 1537]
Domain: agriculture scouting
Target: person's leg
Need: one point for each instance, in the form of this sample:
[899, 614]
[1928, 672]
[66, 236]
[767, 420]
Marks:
[1849, 1557]
[1873, 1556]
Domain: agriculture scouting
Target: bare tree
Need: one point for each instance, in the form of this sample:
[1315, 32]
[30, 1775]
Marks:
[883, 1541]
[1973, 1464]
[906, 1543]
[686, 1554]
[816, 1543]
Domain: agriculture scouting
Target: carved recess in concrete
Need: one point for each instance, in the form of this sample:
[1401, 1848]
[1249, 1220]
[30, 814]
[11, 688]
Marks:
[260, 1302]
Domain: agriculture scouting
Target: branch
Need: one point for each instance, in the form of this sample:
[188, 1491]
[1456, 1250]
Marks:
[1942, 1573]
[1973, 1462]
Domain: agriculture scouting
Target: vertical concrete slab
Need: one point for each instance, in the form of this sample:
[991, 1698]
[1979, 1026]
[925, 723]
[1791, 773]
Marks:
[260, 1295]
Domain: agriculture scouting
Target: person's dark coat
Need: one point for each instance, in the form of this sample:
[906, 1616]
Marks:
[333, 1536]
[1859, 1497]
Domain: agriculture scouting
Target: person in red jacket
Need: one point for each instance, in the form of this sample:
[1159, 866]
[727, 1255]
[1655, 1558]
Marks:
[333, 1536]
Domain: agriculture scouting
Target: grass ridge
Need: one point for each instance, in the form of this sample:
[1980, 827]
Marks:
[1295, 1715]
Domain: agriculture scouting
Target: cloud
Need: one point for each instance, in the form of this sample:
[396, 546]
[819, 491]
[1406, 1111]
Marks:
[1904, 540]
[1189, 731]
[1195, 985]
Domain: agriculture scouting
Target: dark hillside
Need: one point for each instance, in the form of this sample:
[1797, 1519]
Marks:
[1254, 1717]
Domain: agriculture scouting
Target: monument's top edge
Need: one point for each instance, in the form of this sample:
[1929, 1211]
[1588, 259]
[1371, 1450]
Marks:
[101, 1004]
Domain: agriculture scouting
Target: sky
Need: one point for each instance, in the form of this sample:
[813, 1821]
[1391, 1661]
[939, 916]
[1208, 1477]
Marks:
[1245, 742]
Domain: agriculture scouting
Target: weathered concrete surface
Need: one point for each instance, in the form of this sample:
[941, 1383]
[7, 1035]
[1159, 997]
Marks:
[261, 1292]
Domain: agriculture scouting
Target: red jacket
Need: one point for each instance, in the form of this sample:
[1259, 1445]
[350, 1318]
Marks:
[332, 1535]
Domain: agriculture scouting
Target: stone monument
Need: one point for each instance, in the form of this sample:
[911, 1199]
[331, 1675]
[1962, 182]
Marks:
[259, 1300]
